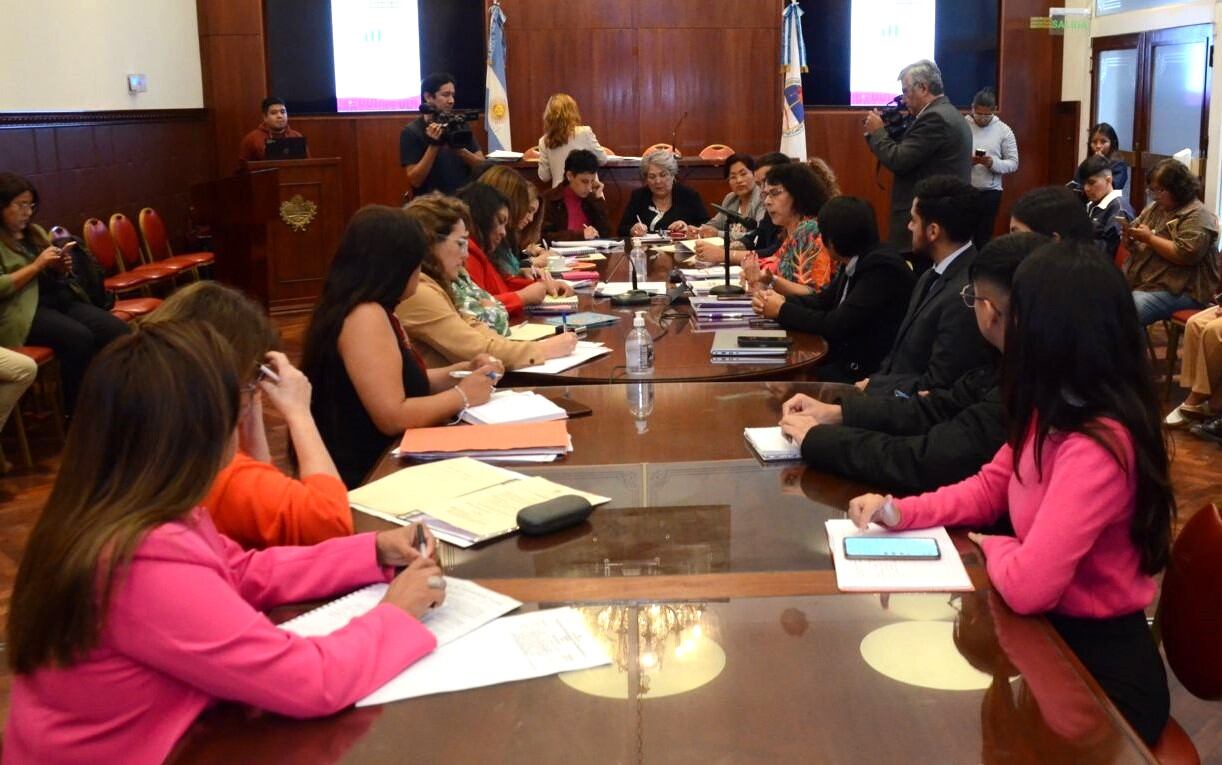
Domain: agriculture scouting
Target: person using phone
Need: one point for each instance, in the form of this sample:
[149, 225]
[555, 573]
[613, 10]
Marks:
[995, 154]
[40, 301]
[1109, 211]
[1083, 477]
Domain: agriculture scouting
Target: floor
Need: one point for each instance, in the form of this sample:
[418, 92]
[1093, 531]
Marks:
[1196, 468]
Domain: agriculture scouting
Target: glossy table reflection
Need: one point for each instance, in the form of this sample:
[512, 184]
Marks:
[782, 667]
[794, 687]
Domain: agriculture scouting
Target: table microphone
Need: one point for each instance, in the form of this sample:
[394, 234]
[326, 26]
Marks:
[731, 218]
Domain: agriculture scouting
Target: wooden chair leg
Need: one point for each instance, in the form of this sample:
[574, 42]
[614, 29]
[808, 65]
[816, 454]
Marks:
[54, 393]
[1173, 352]
[23, 443]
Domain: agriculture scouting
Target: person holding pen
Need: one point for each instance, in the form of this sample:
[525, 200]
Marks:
[662, 204]
[370, 383]
[432, 314]
[131, 613]
[576, 209]
[1083, 477]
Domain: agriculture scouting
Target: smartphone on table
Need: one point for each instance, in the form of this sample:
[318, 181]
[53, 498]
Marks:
[891, 548]
[763, 341]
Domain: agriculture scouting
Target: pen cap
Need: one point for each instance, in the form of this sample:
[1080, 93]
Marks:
[639, 321]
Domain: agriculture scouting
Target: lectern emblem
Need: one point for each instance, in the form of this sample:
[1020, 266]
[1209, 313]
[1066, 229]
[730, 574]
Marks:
[298, 212]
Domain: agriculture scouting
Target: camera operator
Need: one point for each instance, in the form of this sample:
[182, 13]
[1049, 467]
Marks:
[436, 151]
[938, 142]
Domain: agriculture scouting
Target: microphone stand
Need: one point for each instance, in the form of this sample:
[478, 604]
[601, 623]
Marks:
[635, 296]
[731, 218]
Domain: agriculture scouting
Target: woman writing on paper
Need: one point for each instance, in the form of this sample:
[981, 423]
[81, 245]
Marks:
[508, 258]
[662, 204]
[443, 315]
[251, 501]
[562, 134]
[793, 195]
[489, 213]
[370, 384]
[1083, 476]
[131, 614]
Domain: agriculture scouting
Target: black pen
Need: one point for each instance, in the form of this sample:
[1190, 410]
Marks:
[421, 543]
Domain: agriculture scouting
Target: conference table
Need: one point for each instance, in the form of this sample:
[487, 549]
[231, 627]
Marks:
[709, 580]
[681, 350]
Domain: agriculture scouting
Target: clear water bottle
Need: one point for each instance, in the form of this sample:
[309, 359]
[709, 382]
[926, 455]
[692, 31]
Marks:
[640, 403]
[639, 265]
[638, 350]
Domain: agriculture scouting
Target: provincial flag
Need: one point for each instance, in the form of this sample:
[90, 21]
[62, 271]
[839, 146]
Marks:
[496, 101]
[793, 63]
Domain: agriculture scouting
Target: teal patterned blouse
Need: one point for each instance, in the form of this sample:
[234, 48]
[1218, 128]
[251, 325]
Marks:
[473, 300]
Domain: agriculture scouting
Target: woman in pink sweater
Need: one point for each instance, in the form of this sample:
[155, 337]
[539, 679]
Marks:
[1083, 477]
[131, 613]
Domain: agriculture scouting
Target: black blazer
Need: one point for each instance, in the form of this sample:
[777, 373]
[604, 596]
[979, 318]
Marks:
[686, 205]
[766, 239]
[939, 142]
[917, 444]
[556, 215]
[860, 329]
[937, 341]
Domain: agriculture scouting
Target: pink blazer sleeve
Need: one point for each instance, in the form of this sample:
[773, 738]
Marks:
[976, 501]
[181, 615]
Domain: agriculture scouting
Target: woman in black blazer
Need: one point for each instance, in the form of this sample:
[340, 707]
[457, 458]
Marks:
[662, 203]
[859, 312]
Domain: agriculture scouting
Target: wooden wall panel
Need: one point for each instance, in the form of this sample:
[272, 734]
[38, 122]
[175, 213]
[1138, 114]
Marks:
[96, 170]
[835, 135]
[229, 17]
[681, 15]
[234, 85]
[569, 15]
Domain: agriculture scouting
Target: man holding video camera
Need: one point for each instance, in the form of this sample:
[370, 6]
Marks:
[937, 142]
[437, 150]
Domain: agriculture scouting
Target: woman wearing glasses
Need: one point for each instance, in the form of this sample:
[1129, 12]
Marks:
[40, 301]
[662, 204]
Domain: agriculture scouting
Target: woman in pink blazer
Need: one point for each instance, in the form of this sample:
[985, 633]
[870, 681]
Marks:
[131, 613]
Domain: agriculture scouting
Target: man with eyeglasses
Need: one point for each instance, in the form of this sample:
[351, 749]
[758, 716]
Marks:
[938, 142]
[937, 437]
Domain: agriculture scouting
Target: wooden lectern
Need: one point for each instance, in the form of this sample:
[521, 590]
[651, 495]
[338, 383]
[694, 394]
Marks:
[275, 228]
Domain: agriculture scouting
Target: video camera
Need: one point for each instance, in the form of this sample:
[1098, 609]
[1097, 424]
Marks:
[455, 128]
[896, 118]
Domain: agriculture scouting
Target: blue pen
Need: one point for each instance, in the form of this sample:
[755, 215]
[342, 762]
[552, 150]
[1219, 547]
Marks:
[564, 322]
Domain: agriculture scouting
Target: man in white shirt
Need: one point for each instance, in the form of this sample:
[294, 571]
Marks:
[995, 153]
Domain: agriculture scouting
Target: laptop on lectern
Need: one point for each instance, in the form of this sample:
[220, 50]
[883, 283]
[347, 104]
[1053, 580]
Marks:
[285, 148]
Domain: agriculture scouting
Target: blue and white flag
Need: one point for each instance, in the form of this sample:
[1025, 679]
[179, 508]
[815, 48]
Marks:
[496, 101]
[793, 63]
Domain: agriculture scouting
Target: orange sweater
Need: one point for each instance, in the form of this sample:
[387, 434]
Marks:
[257, 506]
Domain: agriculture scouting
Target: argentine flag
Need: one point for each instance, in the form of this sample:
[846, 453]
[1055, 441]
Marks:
[793, 63]
[496, 102]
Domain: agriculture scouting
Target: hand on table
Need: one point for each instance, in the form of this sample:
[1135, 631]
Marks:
[589, 232]
[559, 345]
[417, 588]
[638, 229]
[795, 426]
[767, 303]
[873, 508]
[487, 360]
[823, 414]
[397, 547]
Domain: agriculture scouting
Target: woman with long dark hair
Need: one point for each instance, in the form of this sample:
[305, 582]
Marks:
[40, 301]
[1105, 143]
[1083, 477]
[131, 613]
[489, 213]
[369, 383]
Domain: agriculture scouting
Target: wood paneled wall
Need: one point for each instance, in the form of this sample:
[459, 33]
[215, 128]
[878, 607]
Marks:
[86, 171]
[635, 67]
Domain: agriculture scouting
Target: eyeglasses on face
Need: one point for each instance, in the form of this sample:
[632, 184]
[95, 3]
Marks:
[774, 192]
[31, 206]
[968, 293]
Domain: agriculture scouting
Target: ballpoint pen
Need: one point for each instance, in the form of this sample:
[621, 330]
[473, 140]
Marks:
[421, 543]
[266, 371]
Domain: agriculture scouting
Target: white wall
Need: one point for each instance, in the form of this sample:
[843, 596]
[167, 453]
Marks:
[75, 55]
[1076, 66]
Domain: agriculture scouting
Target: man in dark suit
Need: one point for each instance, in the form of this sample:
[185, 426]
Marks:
[939, 142]
[937, 340]
[918, 444]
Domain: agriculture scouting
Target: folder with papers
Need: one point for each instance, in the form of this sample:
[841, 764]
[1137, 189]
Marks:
[486, 441]
[508, 406]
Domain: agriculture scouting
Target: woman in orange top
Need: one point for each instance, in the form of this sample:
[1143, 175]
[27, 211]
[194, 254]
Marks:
[793, 195]
[251, 501]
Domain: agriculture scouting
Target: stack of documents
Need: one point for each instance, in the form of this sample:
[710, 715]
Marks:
[580, 355]
[713, 312]
[687, 247]
[611, 289]
[725, 344]
[565, 248]
[474, 647]
[504, 155]
[713, 272]
[943, 575]
[463, 501]
[536, 441]
[771, 444]
[555, 304]
[508, 406]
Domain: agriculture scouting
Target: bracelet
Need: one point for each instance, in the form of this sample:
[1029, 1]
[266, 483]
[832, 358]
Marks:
[465, 404]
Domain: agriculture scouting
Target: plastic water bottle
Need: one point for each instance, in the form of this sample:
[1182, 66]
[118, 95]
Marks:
[640, 403]
[638, 350]
[637, 258]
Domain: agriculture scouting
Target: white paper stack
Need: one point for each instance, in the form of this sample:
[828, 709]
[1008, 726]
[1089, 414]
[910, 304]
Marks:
[565, 248]
[514, 406]
[771, 444]
[611, 289]
[946, 574]
[584, 352]
[503, 155]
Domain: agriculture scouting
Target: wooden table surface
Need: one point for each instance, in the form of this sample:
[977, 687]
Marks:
[700, 529]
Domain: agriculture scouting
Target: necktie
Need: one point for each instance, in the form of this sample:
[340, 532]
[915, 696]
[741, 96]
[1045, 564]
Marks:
[928, 279]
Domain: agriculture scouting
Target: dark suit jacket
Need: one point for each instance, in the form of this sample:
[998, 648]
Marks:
[939, 142]
[766, 239]
[686, 205]
[914, 445]
[860, 329]
[556, 215]
[937, 341]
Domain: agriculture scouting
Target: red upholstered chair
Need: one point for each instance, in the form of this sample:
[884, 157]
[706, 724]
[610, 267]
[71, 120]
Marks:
[1189, 622]
[660, 147]
[135, 308]
[116, 277]
[157, 245]
[716, 151]
[47, 385]
[130, 252]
